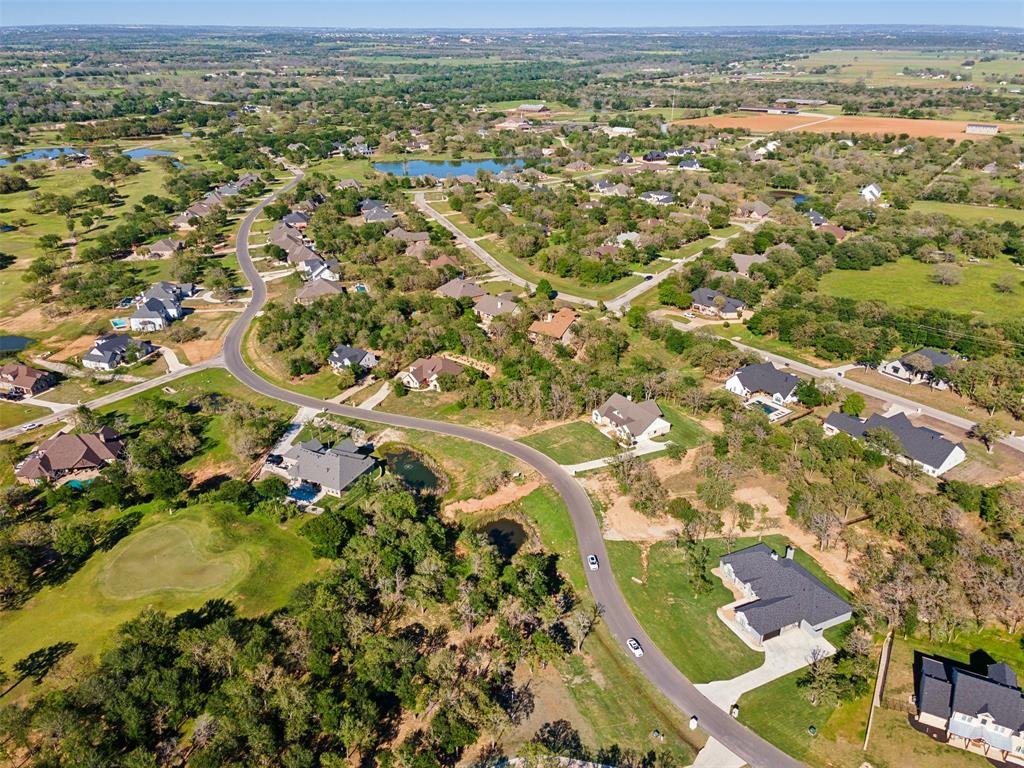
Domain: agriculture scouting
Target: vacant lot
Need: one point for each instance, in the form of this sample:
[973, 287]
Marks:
[764, 123]
[908, 283]
[969, 213]
[572, 443]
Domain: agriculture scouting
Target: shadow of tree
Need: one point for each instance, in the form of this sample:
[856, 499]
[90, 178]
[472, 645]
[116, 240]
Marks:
[39, 663]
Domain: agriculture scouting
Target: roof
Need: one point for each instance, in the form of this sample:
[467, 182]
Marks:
[817, 219]
[744, 261]
[765, 377]
[756, 207]
[20, 375]
[64, 453]
[786, 592]
[706, 298]
[409, 237]
[444, 260]
[425, 368]
[335, 468]
[623, 413]
[315, 289]
[296, 217]
[459, 288]
[706, 198]
[377, 214]
[110, 347]
[944, 687]
[554, 324]
[165, 244]
[495, 305]
[838, 232]
[938, 358]
[658, 196]
[343, 353]
[919, 443]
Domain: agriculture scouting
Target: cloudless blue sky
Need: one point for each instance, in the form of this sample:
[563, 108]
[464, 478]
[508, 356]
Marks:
[465, 14]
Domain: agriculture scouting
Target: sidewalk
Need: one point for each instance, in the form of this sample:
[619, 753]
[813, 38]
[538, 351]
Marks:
[641, 449]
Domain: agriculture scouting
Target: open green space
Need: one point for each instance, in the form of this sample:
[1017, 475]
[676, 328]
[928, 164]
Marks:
[573, 443]
[12, 414]
[738, 332]
[685, 431]
[969, 213]
[908, 283]
[885, 67]
[174, 561]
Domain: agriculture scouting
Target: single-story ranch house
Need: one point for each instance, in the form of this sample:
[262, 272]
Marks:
[923, 447]
[782, 594]
[424, 373]
[980, 712]
[904, 369]
[63, 456]
[629, 422]
[715, 303]
[333, 469]
[763, 378]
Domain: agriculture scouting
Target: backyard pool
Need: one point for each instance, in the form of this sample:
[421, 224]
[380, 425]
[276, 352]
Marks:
[773, 410]
[304, 492]
[444, 169]
[119, 323]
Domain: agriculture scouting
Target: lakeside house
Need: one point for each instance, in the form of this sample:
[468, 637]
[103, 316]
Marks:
[425, 373]
[980, 710]
[629, 422]
[922, 447]
[708, 301]
[116, 349]
[66, 456]
[779, 594]
[918, 367]
[24, 381]
[332, 469]
[763, 379]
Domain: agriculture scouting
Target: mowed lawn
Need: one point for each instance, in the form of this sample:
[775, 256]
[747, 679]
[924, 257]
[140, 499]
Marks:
[171, 562]
[908, 283]
[573, 443]
[969, 213]
[12, 414]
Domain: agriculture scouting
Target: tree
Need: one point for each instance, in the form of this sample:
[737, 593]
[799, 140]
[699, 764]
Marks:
[989, 432]
[544, 289]
[808, 394]
[853, 404]
[819, 685]
[947, 274]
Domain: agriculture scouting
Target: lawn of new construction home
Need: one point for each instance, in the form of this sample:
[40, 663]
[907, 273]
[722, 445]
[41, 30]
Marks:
[908, 283]
[573, 443]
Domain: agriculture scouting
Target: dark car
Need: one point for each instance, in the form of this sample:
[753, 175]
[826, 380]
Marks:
[274, 459]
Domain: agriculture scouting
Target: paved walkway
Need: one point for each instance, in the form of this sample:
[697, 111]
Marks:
[173, 363]
[303, 415]
[377, 398]
[640, 449]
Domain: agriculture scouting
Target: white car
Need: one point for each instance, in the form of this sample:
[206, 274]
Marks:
[30, 427]
[689, 315]
[635, 648]
[592, 562]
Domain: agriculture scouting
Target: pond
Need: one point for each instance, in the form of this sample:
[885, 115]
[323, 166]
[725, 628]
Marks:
[144, 153]
[408, 466]
[444, 169]
[48, 153]
[14, 343]
[507, 535]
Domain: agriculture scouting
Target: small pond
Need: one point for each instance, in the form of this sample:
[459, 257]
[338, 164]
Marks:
[44, 154]
[143, 152]
[412, 470]
[506, 534]
[14, 343]
[444, 169]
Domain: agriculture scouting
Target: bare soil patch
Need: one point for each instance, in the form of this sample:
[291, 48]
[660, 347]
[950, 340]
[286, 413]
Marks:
[504, 496]
[763, 123]
[201, 350]
[620, 521]
[73, 349]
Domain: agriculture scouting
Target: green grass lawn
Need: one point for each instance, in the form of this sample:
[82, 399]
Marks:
[969, 213]
[738, 332]
[171, 562]
[907, 283]
[685, 431]
[12, 414]
[572, 443]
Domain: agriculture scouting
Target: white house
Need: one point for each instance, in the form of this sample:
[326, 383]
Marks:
[905, 370]
[923, 448]
[344, 356]
[872, 193]
[630, 422]
[763, 378]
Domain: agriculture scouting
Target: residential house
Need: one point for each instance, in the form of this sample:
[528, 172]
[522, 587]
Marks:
[705, 202]
[284, 236]
[444, 260]
[20, 379]
[690, 164]
[163, 248]
[708, 145]
[461, 289]
[348, 184]
[606, 188]
[160, 305]
[344, 356]
[554, 325]
[378, 216]
[781, 595]
[614, 131]
[756, 210]
[715, 303]
[982, 129]
[578, 166]
[990, 168]
[763, 379]
[297, 219]
[623, 158]
[409, 237]
[488, 307]
[64, 456]
[922, 447]
[681, 152]
[655, 156]
[116, 349]
[426, 371]
[744, 261]
[816, 218]
[630, 422]
[872, 193]
[835, 230]
[418, 250]
[905, 370]
[658, 197]
[332, 469]
[318, 288]
[246, 180]
[320, 269]
[297, 253]
[973, 709]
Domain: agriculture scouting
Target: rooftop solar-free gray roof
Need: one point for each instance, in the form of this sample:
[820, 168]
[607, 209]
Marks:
[944, 688]
[765, 377]
[919, 443]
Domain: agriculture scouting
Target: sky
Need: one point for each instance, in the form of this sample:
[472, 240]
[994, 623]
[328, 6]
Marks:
[504, 14]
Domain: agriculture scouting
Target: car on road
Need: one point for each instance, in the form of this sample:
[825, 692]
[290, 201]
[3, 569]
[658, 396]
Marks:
[689, 315]
[648, 277]
[635, 648]
[592, 562]
[30, 427]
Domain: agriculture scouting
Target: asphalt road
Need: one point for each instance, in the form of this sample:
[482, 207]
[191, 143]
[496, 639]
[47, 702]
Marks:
[617, 616]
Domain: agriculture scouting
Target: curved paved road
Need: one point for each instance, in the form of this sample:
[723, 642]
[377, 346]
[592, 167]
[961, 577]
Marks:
[617, 616]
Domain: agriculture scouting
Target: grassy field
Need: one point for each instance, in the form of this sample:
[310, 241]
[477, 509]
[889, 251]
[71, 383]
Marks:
[685, 431]
[572, 443]
[12, 414]
[884, 67]
[738, 332]
[907, 283]
[172, 562]
[971, 214]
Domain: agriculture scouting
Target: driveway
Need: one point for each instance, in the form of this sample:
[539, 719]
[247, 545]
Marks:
[786, 653]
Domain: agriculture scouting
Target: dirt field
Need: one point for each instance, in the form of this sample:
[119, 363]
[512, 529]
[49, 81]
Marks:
[76, 347]
[504, 495]
[764, 123]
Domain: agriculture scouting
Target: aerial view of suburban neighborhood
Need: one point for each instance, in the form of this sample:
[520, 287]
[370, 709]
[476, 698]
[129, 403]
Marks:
[535, 396]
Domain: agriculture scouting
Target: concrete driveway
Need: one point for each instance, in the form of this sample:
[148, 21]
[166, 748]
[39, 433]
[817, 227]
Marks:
[786, 653]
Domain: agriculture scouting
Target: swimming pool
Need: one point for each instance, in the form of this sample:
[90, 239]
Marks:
[118, 323]
[304, 492]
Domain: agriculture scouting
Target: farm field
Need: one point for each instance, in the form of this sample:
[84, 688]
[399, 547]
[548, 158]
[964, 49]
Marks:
[907, 283]
[765, 123]
[885, 67]
[969, 213]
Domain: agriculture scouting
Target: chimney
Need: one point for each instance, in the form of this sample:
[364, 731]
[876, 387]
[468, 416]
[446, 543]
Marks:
[789, 551]
[775, 555]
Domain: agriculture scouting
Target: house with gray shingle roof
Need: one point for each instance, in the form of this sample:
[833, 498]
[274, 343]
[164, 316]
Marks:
[924, 448]
[629, 422]
[977, 709]
[708, 301]
[781, 594]
[344, 356]
[763, 378]
[911, 370]
[460, 289]
[114, 349]
[333, 469]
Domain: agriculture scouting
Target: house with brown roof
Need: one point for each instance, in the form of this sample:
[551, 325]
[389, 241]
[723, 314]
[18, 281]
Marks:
[19, 379]
[554, 325]
[835, 230]
[488, 307]
[460, 289]
[63, 456]
[756, 210]
[409, 237]
[425, 372]
[317, 289]
[444, 260]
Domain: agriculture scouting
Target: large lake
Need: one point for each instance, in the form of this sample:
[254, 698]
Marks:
[444, 169]
[43, 154]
